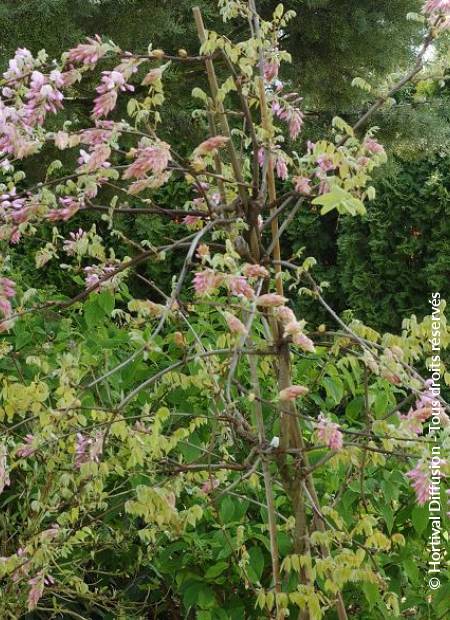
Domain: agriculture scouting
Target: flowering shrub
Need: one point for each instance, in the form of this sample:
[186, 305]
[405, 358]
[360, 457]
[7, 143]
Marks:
[202, 450]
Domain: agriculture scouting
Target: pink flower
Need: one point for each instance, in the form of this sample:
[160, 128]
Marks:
[154, 158]
[295, 330]
[26, 449]
[281, 168]
[270, 300]
[270, 70]
[285, 314]
[97, 158]
[325, 162]
[206, 281]
[37, 584]
[239, 286]
[437, 6]
[87, 53]
[191, 220]
[210, 485]
[88, 449]
[202, 251]
[4, 472]
[372, 146]
[112, 82]
[328, 432]
[302, 341]
[302, 185]
[234, 324]
[7, 292]
[211, 145]
[70, 245]
[152, 76]
[70, 207]
[293, 392]
[421, 484]
[255, 271]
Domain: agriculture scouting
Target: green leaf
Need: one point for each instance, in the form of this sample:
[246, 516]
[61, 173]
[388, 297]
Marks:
[256, 564]
[419, 518]
[227, 510]
[106, 301]
[216, 570]
[334, 388]
[339, 199]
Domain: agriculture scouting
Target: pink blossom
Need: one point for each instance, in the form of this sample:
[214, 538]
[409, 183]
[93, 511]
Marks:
[211, 145]
[70, 207]
[152, 76]
[302, 185]
[420, 481]
[191, 220]
[112, 82]
[328, 432]
[295, 330]
[99, 276]
[43, 96]
[88, 53]
[285, 314]
[302, 341]
[154, 158]
[88, 449]
[255, 271]
[270, 300]
[4, 472]
[26, 449]
[281, 168]
[206, 281]
[239, 286]
[70, 245]
[210, 485]
[37, 584]
[202, 251]
[19, 66]
[234, 324]
[7, 292]
[437, 6]
[372, 146]
[261, 155]
[325, 162]
[293, 392]
[270, 70]
[97, 158]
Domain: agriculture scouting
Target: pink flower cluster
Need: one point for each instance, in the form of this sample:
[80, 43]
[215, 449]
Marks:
[211, 145]
[423, 409]
[328, 433]
[26, 449]
[69, 205]
[153, 158]
[95, 159]
[270, 69]
[19, 67]
[239, 286]
[87, 54]
[293, 392]
[420, 481]
[88, 449]
[43, 96]
[205, 282]
[4, 472]
[112, 82]
[292, 115]
[37, 584]
[255, 271]
[436, 7]
[99, 276]
[7, 292]
[235, 325]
